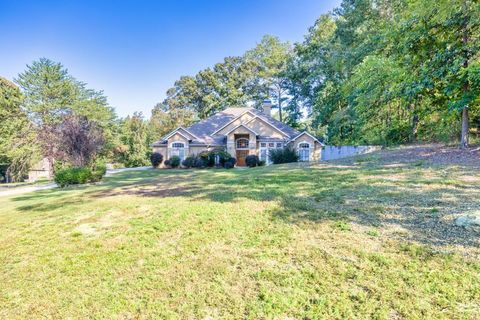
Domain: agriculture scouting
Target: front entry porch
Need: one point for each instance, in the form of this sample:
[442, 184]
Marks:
[241, 155]
[242, 148]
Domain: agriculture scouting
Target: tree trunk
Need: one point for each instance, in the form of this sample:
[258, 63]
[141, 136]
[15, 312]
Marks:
[414, 127]
[466, 86]
[464, 137]
[280, 116]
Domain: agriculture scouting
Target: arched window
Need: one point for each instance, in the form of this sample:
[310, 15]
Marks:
[304, 151]
[242, 143]
[178, 149]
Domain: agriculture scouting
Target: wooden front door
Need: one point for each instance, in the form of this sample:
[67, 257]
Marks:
[241, 155]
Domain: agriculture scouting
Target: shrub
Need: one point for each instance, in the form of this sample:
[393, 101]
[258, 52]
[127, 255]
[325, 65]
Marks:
[261, 163]
[188, 162]
[118, 165]
[285, 155]
[98, 171]
[174, 161]
[211, 158]
[251, 160]
[167, 163]
[69, 176]
[207, 159]
[230, 163]
[201, 162]
[156, 159]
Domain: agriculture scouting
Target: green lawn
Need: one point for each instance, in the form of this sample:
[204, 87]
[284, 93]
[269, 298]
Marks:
[364, 239]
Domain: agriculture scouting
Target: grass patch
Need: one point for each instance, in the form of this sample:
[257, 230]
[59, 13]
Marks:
[285, 241]
[373, 233]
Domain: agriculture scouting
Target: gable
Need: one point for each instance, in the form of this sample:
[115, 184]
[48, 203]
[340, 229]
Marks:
[178, 137]
[242, 129]
[264, 128]
[244, 118]
[185, 134]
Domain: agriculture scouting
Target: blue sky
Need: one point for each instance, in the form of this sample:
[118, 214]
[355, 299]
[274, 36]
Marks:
[135, 50]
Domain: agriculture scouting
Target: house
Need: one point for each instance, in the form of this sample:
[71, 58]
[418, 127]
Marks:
[41, 170]
[241, 131]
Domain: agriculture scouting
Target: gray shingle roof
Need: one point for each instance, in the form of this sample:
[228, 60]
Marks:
[205, 129]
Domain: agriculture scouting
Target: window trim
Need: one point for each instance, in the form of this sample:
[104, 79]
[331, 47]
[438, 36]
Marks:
[309, 150]
[267, 149]
[245, 148]
[177, 149]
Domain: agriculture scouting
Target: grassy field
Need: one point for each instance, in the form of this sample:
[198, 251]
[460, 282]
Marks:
[366, 238]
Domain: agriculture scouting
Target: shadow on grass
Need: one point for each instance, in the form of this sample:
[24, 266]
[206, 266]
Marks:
[371, 195]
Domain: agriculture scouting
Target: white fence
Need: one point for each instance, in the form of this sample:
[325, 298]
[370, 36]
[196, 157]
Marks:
[332, 152]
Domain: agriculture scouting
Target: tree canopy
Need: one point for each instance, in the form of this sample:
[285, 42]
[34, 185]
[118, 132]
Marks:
[373, 71]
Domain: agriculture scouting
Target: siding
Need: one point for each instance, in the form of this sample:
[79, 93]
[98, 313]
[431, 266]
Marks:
[332, 152]
[244, 118]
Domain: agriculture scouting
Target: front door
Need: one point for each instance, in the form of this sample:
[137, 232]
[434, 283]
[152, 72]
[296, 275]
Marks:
[241, 155]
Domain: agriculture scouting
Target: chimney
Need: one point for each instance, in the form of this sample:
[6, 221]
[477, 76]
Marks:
[267, 107]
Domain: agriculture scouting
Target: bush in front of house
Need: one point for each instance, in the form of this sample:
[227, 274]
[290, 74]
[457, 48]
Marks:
[224, 158]
[71, 176]
[188, 162]
[174, 161]
[156, 159]
[230, 163]
[285, 155]
[201, 162]
[167, 163]
[251, 161]
[205, 159]
[218, 157]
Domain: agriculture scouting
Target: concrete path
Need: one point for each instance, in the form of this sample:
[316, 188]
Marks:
[113, 171]
[22, 190]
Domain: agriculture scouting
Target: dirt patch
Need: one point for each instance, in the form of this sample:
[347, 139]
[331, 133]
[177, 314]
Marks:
[155, 190]
[432, 154]
[86, 229]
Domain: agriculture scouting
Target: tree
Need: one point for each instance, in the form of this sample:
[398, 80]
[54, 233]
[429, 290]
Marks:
[271, 57]
[80, 140]
[134, 150]
[17, 148]
[51, 93]
[164, 119]
[460, 22]
[229, 83]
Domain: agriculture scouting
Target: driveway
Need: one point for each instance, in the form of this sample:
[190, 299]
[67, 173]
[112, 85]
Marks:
[113, 171]
[21, 190]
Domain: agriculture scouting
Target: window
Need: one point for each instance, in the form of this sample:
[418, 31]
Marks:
[242, 143]
[263, 155]
[265, 147]
[178, 149]
[178, 145]
[304, 151]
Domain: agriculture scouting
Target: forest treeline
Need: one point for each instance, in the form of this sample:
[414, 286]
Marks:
[371, 72]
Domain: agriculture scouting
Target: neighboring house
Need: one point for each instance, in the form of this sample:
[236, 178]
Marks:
[241, 132]
[41, 170]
